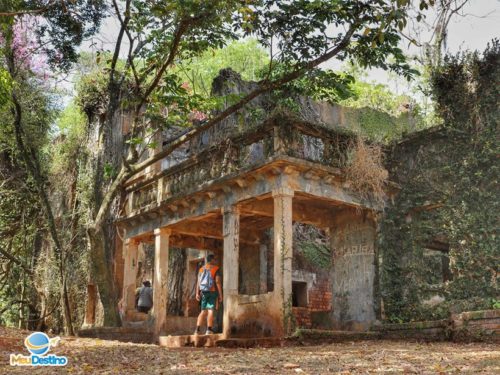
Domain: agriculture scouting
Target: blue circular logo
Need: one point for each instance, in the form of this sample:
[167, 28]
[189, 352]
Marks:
[37, 343]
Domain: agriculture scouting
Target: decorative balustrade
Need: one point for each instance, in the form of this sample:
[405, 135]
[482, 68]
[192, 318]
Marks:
[244, 150]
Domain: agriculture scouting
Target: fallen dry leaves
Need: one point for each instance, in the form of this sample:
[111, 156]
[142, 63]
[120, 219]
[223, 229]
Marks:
[94, 356]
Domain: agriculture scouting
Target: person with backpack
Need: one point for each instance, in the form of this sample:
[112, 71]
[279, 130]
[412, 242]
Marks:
[144, 297]
[209, 292]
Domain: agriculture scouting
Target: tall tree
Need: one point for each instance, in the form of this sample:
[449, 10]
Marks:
[32, 33]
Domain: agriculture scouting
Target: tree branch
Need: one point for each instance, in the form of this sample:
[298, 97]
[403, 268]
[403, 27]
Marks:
[181, 29]
[123, 25]
[15, 260]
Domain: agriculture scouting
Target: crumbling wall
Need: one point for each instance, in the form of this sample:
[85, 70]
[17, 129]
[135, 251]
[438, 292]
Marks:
[439, 254]
[228, 84]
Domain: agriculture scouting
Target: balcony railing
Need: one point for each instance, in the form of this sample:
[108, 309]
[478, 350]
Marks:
[242, 151]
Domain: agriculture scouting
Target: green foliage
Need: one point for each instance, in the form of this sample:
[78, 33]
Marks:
[60, 26]
[71, 121]
[318, 84]
[317, 254]
[5, 87]
[377, 125]
[376, 96]
[246, 57]
[311, 245]
[21, 216]
[449, 181]
[68, 141]
[92, 95]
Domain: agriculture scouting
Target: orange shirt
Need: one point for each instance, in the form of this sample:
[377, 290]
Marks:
[214, 272]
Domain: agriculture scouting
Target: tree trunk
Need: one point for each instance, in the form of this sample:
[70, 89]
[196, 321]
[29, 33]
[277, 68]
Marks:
[33, 166]
[177, 268]
[103, 277]
[22, 298]
[68, 321]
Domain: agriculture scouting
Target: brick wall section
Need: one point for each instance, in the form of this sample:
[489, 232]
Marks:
[302, 316]
[320, 295]
[320, 299]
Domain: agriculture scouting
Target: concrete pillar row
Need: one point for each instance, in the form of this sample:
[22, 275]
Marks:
[283, 253]
[160, 279]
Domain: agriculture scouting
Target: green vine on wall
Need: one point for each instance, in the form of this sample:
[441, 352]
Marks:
[449, 179]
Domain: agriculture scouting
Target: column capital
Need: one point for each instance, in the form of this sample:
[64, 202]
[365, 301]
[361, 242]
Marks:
[283, 192]
[164, 231]
[132, 242]
[233, 209]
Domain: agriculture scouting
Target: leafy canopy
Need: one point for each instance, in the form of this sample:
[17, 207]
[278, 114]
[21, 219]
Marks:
[59, 26]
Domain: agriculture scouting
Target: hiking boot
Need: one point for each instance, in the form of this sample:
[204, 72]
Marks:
[209, 332]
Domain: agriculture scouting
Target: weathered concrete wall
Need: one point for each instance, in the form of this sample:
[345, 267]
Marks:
[353, 271]
[255, 316]
[145, 263]
[249, 277]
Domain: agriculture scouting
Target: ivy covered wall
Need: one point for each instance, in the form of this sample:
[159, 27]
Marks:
[439, 250]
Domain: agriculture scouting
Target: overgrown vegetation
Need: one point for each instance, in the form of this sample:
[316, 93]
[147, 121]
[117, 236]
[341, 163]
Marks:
[449, 199]
[311, 248]
[365, 172]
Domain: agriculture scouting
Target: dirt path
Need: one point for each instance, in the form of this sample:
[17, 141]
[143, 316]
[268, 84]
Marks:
[365, 357]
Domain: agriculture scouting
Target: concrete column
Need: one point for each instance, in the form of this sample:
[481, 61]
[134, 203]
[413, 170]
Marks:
[263, 268]
[159, 191]
[283, 232]
[353, 272]
[130, 251]
[160, 288]
[230, 267]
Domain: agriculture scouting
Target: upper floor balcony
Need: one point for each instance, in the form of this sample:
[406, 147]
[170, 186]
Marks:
[280, 140]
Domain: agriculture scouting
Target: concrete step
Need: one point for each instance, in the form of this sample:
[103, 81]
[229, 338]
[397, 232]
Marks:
[197, 341]
[135, 316]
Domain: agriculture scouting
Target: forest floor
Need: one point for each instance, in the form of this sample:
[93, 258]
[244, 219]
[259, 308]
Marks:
[87, 356]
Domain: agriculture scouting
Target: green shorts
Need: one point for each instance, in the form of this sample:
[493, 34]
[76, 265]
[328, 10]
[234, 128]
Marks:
[209, 300]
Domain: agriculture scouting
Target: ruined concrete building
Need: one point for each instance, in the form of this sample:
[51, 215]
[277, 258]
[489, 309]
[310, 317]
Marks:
[244, 190]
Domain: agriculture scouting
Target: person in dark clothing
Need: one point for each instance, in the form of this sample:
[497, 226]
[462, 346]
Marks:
[144, 297]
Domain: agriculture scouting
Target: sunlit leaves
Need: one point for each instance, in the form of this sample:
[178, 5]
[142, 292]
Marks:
[5, 87]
